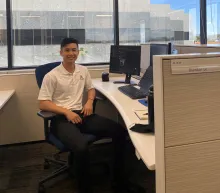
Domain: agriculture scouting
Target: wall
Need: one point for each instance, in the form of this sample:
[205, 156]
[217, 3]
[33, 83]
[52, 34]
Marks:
[18, 118]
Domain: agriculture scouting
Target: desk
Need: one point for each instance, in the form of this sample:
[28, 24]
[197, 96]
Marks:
[143, 143]
[5, 96]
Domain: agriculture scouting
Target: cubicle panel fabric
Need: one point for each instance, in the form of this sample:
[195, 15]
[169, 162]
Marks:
[187, 123]
[196, 49]
[191, 106]
[193, 168]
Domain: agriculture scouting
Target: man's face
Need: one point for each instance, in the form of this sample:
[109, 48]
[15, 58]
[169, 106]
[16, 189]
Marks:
[70, 53]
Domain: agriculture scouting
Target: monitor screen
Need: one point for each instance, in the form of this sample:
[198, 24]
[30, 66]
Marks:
[125, 59]
[147, 79]
[158, 49]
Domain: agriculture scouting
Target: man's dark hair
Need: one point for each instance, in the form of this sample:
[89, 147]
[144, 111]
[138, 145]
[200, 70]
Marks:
[66, 41]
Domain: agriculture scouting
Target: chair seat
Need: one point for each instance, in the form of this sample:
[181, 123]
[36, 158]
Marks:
[52, 139]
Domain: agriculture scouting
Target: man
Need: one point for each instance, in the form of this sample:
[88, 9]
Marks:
[62, 92]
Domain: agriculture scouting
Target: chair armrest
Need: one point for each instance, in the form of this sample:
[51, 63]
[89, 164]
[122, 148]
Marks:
[49, 115]
[46, 115]
[99, 98]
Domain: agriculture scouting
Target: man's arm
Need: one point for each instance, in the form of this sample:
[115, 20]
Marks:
[45, 95]
[47, 105]
[88, 107]
[91, 95]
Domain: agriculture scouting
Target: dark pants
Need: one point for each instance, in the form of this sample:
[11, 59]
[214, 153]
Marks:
[72, 136]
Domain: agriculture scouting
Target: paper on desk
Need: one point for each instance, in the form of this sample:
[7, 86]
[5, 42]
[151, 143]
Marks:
[141, 114]
[134, 110]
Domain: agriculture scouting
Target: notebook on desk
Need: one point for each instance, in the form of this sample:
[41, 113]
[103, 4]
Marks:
[141, 114]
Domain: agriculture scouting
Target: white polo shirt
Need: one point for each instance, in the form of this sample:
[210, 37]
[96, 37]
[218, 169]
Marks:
[66, 89]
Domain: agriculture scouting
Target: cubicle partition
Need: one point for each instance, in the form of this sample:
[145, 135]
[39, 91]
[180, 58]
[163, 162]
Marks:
[187, 123]
[181, 49]
[197, 48]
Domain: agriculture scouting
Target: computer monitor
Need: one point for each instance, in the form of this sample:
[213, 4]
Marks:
[146, 80]
[126, 60]
[158, 49]
[155, 49]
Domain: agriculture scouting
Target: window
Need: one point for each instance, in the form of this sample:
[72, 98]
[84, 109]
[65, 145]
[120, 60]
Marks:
[3, 36]
[159, 20]
[213, 22]
[39, 26]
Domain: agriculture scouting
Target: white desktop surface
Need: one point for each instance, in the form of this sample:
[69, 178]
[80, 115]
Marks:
[143, 143]
[5, 96]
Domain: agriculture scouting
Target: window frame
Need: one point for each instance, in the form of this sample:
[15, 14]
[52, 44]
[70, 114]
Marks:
[203, 32]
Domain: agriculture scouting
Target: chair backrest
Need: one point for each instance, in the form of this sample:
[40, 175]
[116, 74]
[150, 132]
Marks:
[42, 70]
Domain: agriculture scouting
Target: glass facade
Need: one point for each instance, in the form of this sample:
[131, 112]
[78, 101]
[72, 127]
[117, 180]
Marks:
[39, 27]
[3, 35]
[213, 21]
[159, 21]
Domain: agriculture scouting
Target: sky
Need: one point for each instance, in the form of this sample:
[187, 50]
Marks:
[192, 7]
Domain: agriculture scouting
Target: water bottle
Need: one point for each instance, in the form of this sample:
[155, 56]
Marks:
[151, 107]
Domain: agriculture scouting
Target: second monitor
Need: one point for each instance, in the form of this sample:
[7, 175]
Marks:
[125, 59]
[159, 49]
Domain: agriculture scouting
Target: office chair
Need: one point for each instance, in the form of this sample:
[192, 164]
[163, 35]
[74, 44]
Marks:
[40, 72]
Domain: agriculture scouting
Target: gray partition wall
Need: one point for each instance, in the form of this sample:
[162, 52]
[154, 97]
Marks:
[187, 123]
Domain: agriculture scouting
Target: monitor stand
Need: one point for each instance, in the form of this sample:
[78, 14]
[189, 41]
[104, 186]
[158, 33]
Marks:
[126, 81]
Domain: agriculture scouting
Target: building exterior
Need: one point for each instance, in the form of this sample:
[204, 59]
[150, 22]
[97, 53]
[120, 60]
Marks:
[40, 23]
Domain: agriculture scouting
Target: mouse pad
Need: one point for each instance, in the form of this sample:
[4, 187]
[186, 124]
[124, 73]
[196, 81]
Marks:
[143, 102]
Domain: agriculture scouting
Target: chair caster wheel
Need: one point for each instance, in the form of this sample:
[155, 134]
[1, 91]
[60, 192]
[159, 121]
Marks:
[41, 189]
[46, 165]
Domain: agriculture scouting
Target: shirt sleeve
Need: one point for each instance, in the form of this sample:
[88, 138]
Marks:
[47, 88]
[88, 83]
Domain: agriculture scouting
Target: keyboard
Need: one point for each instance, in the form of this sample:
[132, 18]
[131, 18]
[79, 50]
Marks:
[132, 92]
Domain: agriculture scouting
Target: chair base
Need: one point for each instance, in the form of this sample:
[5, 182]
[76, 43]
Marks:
[65, 168]
[61, 170]
[53, 160]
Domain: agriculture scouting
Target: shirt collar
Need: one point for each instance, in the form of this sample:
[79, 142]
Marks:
[64, 71]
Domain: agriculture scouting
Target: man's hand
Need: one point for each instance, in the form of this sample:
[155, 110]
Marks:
[88, 108]
[73, 117]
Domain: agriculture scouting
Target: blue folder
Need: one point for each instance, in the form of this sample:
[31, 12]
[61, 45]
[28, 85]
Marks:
[143, 102]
